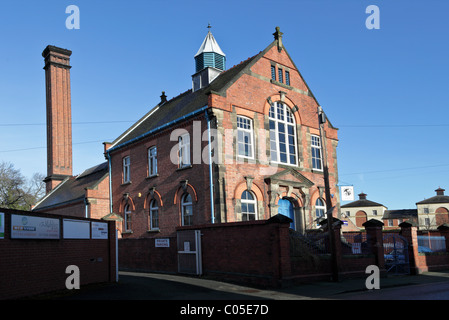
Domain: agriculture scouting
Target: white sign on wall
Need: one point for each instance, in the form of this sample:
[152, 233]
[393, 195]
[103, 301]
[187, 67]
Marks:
[31, 227]
[76, 229]
[99, 230]
[162, 243]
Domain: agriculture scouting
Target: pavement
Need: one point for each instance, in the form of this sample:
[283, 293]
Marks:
[154, 286]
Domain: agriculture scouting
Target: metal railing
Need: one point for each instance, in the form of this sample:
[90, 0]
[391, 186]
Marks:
[431, 244]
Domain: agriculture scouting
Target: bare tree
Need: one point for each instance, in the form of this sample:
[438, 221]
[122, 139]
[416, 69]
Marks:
[17, 192]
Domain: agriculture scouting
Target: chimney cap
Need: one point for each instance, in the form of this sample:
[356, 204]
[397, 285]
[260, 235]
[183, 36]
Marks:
[163, 97]
[440, 191]
[51, 48]
[362, 196]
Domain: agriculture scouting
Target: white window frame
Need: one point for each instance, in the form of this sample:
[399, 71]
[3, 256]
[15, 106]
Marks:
[315, 144]
[320, 208]
[245, 126]
[152, 161]
[154, 211]
[184, 150]
[248, 202]
[127, 218]
[126, 169]
[184, 205]
[286, 119]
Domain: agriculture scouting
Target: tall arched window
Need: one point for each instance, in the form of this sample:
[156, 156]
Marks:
[282, 134]
[249, 205]
[320, 208]
[187, 210]
[154, 215]
[127, 220]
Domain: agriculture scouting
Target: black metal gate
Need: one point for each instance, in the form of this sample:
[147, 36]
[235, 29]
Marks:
[189, 252]
[396, 254]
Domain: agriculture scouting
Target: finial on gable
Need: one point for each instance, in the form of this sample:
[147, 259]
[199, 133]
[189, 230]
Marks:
[278, 37]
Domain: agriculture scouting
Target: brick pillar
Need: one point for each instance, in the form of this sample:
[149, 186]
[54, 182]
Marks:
[59, 117]
[281, 248]
[375, 239]
[409, 231]
[336, 250]
[112, 251]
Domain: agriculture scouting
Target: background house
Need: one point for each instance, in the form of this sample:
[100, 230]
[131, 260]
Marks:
[362, 210]
[433, 211]
[393, 218]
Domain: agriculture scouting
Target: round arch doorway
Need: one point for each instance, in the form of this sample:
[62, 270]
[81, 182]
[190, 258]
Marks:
[285, 207]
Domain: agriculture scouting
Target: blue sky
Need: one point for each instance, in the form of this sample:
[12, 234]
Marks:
[387, 90]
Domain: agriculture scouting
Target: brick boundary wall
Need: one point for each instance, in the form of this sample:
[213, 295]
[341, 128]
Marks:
[142, 255]
[251, 252]
[422, 262]
[37, 266]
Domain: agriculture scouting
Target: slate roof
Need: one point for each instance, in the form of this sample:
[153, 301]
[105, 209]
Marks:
[362, 203]
[183, 104]
[435, 199]
[398, 214]
[73, 189]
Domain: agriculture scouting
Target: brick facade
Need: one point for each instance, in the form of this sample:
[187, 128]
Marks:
[244, 90]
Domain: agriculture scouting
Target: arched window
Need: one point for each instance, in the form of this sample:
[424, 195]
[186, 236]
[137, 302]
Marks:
[248, 204]
[154, 215]
[187, 210]
[127, 220]
[320, 208]
[282, 134]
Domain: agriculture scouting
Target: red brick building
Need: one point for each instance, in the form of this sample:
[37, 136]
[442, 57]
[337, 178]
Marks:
[242, 144]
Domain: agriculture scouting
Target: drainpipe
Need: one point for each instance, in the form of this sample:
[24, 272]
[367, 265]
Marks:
[110, 181]
[210, 170]
[86, 205]
[110, 209]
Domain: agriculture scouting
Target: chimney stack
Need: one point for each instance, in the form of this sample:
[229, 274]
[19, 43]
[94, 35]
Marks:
[59, 115]
[440, 192]
[362, 196]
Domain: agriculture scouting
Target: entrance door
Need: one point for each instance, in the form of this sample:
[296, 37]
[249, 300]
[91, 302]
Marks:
[189, 252]
[286, 208]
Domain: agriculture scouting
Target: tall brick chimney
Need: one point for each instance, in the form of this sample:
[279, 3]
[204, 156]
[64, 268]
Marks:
[59, 115]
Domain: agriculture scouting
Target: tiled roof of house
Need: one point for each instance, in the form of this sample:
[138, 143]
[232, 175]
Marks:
[183, 104]
[400, 214]
[73, 188]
